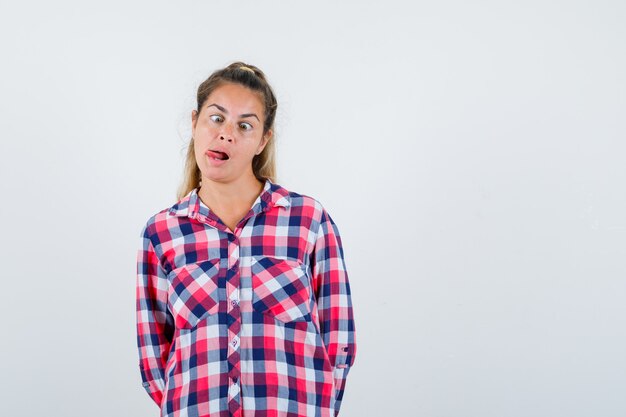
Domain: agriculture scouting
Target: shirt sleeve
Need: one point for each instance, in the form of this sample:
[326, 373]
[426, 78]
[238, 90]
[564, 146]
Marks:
[330, 281]
[154, 321]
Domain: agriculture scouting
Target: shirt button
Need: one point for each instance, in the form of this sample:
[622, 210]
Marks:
[234, 303]
[235, 379]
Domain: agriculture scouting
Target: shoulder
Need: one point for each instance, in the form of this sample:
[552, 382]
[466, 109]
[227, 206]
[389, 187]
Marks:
[304, 200]
[154, 223]
[301, 201]
[307, 205]
[163, 219]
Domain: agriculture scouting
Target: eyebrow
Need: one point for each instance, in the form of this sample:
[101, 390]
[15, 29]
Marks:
[226, 111]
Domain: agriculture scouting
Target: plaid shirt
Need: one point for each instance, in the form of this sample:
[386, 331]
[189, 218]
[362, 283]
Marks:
[256, 322]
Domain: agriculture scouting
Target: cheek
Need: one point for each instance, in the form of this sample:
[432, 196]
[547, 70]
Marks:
[199, 159]
[199, 151]
[201, 140]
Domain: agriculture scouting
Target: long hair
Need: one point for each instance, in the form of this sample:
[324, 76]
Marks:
[263, 164]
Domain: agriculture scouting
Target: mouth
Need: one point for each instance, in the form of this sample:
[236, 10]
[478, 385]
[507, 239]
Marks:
[219, 155]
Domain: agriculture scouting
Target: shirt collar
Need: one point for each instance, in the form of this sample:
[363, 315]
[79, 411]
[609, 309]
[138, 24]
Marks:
[272, 195]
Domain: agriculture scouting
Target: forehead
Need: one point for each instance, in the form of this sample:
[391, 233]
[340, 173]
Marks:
[237, 98]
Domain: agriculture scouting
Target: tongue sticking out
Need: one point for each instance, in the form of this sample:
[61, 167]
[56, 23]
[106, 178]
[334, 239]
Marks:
[217, 154]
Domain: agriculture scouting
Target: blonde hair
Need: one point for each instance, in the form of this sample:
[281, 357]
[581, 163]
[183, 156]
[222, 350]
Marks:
[263, 164]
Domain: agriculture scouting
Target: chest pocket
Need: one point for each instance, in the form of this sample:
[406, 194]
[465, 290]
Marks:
[194, 292]
[280, 288]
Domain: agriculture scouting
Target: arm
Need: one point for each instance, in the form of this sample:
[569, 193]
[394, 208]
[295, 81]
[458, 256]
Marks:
[154, 321]
[334, 302]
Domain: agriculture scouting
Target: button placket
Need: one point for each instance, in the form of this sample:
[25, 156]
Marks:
[232, 289]
[235, 342]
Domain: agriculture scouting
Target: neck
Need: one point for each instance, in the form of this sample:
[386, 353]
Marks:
[240, 192]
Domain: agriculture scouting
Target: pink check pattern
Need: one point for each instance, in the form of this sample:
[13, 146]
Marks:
[254, 322]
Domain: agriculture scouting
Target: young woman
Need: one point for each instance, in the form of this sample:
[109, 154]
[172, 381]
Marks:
[243, 300]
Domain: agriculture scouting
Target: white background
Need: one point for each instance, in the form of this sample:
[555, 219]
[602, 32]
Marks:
[471, 153]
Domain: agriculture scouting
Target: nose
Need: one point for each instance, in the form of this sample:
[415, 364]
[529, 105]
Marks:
[226, 132]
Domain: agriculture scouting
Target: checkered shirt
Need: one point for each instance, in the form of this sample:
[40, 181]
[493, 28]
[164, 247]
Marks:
[255, 322]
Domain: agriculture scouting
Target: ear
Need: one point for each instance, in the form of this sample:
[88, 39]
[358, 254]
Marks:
[264, 140]
[194, 118]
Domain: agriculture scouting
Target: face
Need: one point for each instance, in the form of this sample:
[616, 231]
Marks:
[231, 121]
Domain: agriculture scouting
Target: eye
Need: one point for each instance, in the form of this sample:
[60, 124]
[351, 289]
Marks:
[245, 125]
[216, 118]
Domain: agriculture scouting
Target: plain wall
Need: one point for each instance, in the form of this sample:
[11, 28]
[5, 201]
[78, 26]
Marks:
[471, 153]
